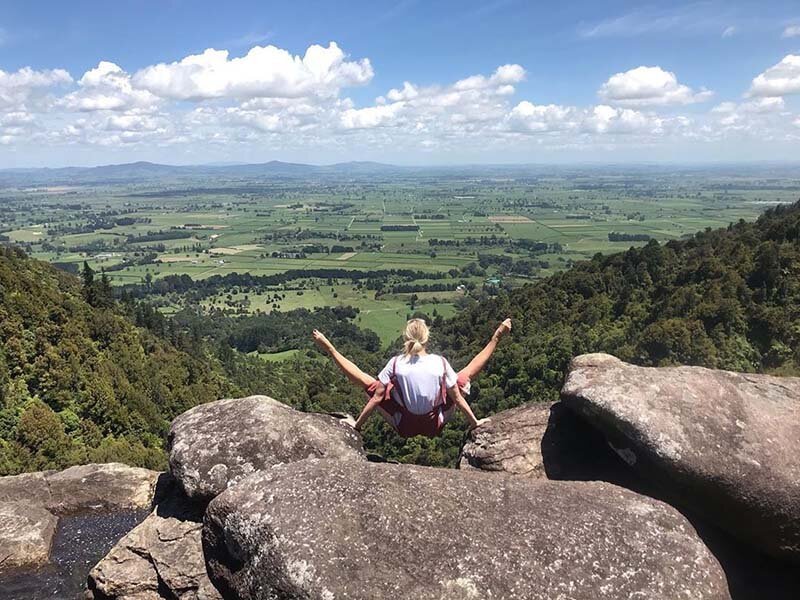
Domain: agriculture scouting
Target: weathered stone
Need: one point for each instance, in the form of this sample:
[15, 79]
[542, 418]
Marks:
[214, 445]
[722, 444]
[28, 487]
[332, 529]
[543, 441]
[26, 534]
[108, 486]
[161, 558]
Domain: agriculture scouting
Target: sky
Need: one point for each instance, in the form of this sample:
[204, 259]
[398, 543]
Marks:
[418, 82]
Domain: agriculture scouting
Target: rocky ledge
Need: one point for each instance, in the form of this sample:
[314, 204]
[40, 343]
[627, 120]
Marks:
[214, 445]
[631, 487]
[30, 504]
[313, 529]
[722, 444]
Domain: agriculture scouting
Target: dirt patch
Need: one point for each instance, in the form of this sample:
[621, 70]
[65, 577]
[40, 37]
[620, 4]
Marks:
[509, 219]
[347, 256]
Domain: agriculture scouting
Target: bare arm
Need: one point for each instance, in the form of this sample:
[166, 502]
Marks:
[373, 402]
[463, 406]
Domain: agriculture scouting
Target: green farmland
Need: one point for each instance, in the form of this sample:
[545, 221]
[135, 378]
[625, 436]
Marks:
[432, 242]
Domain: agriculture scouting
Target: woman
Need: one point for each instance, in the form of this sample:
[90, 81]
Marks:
[416, 392]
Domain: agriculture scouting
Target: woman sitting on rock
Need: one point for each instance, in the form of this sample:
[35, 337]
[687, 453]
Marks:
[416, 392]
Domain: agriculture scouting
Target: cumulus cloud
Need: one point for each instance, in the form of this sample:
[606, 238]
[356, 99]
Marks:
[780, 79]
[19, 87]
[526, 117]
[264, 72]
[463, 105]
[649, 86]
[108, 87]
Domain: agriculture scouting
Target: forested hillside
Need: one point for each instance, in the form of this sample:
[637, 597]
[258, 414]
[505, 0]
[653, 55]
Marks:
[726, 298]
[78, 382]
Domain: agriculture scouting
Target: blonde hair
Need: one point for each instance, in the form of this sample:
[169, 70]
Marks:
[416, 336]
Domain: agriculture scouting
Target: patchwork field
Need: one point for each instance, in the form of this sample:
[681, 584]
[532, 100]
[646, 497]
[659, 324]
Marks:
[421, 237]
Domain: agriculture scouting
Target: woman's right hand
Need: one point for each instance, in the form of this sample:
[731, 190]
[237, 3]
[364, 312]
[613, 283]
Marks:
[480, 422]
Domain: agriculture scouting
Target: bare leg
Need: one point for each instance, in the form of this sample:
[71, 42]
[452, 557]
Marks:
[476, 365]
[348, 367]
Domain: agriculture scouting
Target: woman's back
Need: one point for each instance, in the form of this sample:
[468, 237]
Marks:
[419, 378]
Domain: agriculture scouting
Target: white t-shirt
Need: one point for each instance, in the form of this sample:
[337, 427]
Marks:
[420, 380]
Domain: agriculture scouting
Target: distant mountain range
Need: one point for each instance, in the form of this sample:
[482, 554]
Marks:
[143, 171]
[148, 172]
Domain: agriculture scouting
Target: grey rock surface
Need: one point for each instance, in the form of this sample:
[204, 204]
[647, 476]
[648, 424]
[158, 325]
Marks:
[160, 558]
[722, 444]
[543, 441]
[26, 534]
[511, 442]
[357, 530]
[214, 445]
[107, 486]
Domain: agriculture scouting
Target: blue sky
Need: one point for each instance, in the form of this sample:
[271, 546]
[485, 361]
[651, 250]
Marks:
[491, 82]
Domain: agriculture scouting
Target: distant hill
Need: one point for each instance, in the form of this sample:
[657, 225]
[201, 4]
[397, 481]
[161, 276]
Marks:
[146, 171]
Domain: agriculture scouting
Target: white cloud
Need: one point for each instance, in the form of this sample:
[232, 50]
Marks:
[729, 31]
[791, 31]
[264, 72]
[780, 79]
[531, 118]
[649, 86]
[26, 84]
[108, 87]
[455, 108]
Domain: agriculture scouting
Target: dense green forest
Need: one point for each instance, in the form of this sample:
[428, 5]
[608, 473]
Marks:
[84, 377]
[78, 381]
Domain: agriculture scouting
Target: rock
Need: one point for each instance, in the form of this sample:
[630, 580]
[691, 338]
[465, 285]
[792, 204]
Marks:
[214, 445]
[334, 529]
[510, 442]
[161, 558]
[109, 486]
[28, 487]
[543, 441]
[719, 443]
[26, 534]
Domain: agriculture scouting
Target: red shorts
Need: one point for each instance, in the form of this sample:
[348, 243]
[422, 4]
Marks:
[409, 424]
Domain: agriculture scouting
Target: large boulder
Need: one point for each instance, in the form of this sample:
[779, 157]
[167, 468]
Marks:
[160, 558]
[26, 534]
[333, 529]
[722, 444]
[543, 441]
[107, 486]
[214, 445]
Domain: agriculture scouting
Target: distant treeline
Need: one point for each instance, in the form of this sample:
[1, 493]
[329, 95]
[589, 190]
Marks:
[618, 236]
[399, 227]
[160, 236]
[184, 284]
